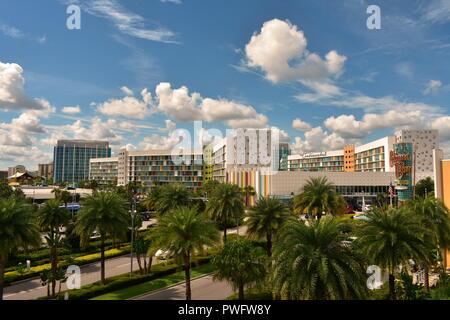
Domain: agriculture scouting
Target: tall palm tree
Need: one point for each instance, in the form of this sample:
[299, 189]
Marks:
[434, 216]
[319, 196]
[316, 261]
[390, 238]
[173, 196]
[241, 263]
[152, 198]
[182, 232]
[106, 213]
[18, 230]
[266, 218]
[51, 218]
[225, 205]
[248, 191]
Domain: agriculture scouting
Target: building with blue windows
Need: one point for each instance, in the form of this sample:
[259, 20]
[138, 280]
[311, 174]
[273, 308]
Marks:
[71, 158]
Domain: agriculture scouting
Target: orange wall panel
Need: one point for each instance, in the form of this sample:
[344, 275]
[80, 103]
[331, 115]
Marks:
[446, 183]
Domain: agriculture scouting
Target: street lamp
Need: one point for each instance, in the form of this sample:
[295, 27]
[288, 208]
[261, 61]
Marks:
[133, 215]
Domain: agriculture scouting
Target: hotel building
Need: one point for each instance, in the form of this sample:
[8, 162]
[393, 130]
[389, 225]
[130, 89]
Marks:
[71, 158]
[103, 170]
[159, 167]
[249, 150]
[371, 157]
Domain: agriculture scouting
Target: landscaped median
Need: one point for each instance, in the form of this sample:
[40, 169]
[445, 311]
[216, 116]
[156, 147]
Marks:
[81, 260]
[124, 281]
[148, 287]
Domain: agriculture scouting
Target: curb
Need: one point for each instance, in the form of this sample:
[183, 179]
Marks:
[82, 266]
[168, 287]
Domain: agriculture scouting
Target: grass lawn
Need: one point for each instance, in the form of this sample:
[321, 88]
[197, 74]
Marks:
[152, 285]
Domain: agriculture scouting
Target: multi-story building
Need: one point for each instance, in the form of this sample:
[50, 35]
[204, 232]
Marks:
[208, 166]
[424, 142]
[159, 167]
[16, 169]
[317, 161]
[103, 170]
[4, 175]
[45, 170]
[249, 150]
[284, 153]
[71, 158]
[373, 156]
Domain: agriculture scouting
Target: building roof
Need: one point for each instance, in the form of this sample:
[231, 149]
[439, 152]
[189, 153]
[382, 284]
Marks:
[20, 174]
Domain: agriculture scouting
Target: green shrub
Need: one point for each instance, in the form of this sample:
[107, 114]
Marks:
[123, 281]
[253, 294]
[80, 260]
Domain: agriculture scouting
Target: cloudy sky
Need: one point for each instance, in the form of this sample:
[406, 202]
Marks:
[138, 70]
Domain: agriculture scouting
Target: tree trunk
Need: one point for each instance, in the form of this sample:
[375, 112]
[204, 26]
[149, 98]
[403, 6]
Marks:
[241, 291]
[102, 260]
[187, 272]
[150, 262]
[392, 286]
[427, 278]
[138, 258]
[2, 276]
[269, 244]
[225, 234]
[54, 264]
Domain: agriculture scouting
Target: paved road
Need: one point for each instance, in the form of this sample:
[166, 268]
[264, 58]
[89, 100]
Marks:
[32, 289]
[203, 288]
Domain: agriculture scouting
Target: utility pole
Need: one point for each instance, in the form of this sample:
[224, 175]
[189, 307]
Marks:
[414, 165]
[133, 214]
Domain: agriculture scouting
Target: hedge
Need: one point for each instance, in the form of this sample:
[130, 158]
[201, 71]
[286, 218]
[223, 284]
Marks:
[123, 281]
[42, 256]
[253, 294]
[81, 260]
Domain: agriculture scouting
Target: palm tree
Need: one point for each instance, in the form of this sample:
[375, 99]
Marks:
[225, 205]
[62, 195]
[319, 196]
[106, 213]
[51, 218]
[151, 201]
[390, 238]
[18, 230]
[434, 216]
[241, 263]
[316, 261]
[209, 186]
[266, 218]
[182, 232]
[173, 196]
[248, 191]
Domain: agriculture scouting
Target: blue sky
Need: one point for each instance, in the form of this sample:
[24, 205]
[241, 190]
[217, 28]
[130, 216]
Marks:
[139, 69]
